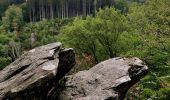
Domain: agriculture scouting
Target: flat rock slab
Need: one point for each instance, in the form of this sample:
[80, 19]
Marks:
[110, 79]
[32, 76]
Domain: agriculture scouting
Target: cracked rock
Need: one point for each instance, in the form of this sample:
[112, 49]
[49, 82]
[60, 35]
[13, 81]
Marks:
[109, 80]
[35, 73]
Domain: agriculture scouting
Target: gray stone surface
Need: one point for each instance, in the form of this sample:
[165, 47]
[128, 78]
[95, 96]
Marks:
[32, 76]
[36, 74]
[110, 79]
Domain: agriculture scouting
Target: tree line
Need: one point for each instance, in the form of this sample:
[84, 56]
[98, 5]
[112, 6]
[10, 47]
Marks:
[49, 9]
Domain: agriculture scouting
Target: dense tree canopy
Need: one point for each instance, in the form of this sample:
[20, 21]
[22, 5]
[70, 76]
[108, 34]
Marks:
[13, 19]
[5, 3]
[104, 30]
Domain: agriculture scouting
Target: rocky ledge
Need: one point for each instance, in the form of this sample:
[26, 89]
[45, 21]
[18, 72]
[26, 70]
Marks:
[35, 75]
[109, 80]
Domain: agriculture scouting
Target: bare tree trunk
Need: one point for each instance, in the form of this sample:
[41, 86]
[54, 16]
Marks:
[67, 9]
[51, 11]
[30, 15]
[33, 11]
[84, 7]
[42, 9]
[89, 7]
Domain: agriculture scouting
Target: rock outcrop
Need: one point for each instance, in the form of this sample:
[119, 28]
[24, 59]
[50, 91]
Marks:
[109, 80]
[35, 73]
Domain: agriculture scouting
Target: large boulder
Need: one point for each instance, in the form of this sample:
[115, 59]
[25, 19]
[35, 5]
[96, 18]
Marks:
[110, 79]
[35, 73]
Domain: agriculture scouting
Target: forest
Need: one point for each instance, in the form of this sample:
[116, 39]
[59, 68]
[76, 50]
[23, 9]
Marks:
[97, 30]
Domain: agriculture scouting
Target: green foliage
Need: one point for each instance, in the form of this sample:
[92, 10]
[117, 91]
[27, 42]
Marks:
[13, 50]
[4, 39]
[109, 25]
[151, 17]
[4, 58]
[144, 33]
[3, 6]
[46, 32]
[151, 21]
[4, 61]
[79, 35]
[97, 36]
[0, 22]
[13, 19]
[122, 5]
